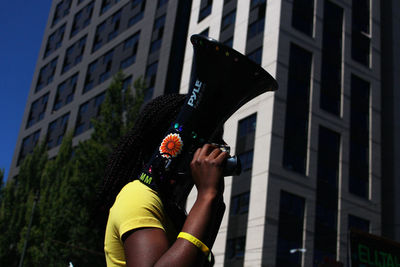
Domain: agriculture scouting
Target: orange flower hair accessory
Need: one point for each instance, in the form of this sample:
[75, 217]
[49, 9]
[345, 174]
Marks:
[171, 146]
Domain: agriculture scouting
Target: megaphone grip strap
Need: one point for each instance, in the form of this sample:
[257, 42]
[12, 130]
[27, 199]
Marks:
[195, 242]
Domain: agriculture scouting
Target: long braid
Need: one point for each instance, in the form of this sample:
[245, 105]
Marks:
[127, 159]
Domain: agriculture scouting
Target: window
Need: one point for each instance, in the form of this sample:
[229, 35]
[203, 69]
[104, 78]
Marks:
[136, 18]
[290, 229]
[44, 101]
[46, 74]
[128, 61]
[205, 9]
[161, 3]
[159, 23]
[359, 137]
[246, 159]
[82, 19]
[65, 92]
[138, 6]
[255, 3]
[131, 42]
[87, 111]
[105, 5]
[256, 19]
[235, 248]
[228, 20]
[255, 28]
[80, 123]
[107, 62]
[130, 46]
[247, 126]
[303, 16]
[126, 83]
[54, 41]
[328, 158]
[27, 146]
[116, 20]
[297, 110]
[229, 42]
[37, 111]
[151, 74]
[56, 131]
[358, 223]
[240, 204]
[256, 55]
[98, 100]
[62, 10]
[157, 35]
[89, 81]
[98, 40]
[331, 72]
[361, 32]
[325, 238]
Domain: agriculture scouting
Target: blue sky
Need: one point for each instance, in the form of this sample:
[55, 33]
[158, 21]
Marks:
[22, 24]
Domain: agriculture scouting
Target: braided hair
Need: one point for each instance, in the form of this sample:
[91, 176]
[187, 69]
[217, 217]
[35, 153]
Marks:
[135, 148]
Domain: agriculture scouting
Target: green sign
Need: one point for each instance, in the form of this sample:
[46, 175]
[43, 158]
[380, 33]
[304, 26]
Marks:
[373, 251]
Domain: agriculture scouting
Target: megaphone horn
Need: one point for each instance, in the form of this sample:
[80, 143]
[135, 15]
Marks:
[222, 81]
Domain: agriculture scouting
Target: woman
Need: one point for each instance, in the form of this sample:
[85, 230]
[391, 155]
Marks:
[141, 230]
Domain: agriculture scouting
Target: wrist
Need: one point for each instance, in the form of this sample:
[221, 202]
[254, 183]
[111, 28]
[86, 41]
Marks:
[207, 195]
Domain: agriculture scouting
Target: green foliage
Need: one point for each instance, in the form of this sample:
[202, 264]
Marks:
[65, 225]
[1, 183]
[16, 206]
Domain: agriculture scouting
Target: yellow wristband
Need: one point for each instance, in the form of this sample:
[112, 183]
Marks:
[195, 242]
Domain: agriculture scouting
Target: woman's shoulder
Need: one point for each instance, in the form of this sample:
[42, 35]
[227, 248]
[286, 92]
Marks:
[136, 195]
[136, 206]
[135, 186]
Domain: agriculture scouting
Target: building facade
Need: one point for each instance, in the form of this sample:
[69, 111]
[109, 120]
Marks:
[85, 43]
[311, 151]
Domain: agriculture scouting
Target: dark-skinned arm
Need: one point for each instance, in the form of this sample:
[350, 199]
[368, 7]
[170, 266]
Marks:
[149, 246]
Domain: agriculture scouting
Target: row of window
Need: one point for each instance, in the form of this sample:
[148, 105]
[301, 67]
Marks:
[64, 6]
[118, 22]
[118, 58]
[64, 95]
[303, 21]
[291, 216]
[296, 124]
[124, 18]
[81, 20]
[98, 71]
[239, 204]
[62, 10]
[57, 128]
[228, 22]
[155, 46]
[291, 232]
[130, 13]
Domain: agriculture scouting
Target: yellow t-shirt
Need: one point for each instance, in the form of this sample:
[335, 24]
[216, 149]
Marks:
[136, 206]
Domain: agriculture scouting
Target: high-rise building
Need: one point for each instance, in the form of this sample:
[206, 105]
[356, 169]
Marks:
[85, 43]
[310, 152]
